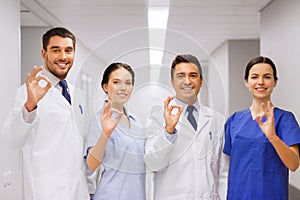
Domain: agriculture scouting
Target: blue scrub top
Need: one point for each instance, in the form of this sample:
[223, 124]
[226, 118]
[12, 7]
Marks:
[123, 177]
[256, 171]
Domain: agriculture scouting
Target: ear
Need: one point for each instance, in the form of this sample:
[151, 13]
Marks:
[44, 54]
[105, 87]
[246, 83]
[201, 82]
[172, 82]
[276, 83]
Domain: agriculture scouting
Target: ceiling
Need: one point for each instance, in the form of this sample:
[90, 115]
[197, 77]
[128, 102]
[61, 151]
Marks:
[209, 23]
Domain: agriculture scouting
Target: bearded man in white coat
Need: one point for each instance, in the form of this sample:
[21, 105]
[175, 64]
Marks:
[43, 125]
[185, 141]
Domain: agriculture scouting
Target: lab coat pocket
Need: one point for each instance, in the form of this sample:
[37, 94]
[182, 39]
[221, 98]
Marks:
[52, 186]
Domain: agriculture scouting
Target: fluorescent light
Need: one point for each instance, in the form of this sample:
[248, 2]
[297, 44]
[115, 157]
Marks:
[156, 56]
[157, 26]
[158, 17]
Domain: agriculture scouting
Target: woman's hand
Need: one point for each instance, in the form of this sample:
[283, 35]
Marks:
[268, 126]
[108, 121]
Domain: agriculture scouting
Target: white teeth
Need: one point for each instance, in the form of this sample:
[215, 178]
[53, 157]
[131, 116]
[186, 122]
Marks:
[260, 89]
[187, 88]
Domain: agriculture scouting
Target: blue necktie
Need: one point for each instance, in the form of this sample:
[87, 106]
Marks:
[65, 93]
[191, 117]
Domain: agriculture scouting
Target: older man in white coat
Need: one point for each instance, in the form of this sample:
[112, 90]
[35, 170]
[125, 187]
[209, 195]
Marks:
[44, 126]
[185, 141]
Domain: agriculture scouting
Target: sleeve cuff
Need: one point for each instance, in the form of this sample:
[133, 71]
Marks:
[28, 117]
[171, 137]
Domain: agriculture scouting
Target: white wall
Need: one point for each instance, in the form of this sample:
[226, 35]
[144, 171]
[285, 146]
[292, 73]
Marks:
[221, 61]
[9, 82]
[230, 60]
[280, 40]
[240, 53]
[31, 45]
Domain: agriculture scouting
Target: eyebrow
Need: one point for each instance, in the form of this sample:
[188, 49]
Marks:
[56, 47]
[180, 73]
[263, 74]
[118, 79]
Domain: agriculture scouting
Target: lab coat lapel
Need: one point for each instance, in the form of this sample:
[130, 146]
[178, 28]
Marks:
[57, 96]
[185, 124]
[203, 119]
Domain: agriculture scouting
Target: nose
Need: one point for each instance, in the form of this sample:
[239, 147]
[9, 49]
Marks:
[122, 86]
[63, 55]
[187, 80]
[260, 80]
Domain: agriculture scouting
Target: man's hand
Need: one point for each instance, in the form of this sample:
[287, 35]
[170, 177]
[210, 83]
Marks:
[35, 92]
[171, 118]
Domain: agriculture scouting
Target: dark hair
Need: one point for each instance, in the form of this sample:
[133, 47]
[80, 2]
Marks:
[112, 67]
[257, 60]
[185, 58]
[58, 31]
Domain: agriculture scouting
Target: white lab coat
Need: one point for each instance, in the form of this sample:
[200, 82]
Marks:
[52, 147]
[193, 166]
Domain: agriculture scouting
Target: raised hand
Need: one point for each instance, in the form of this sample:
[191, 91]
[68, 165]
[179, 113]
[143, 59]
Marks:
[171, 118]
[109, 122]
[268, 126]
[35, 92]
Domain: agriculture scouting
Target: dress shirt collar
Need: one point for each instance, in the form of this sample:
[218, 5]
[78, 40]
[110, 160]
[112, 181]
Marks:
[197, 105]
[53, 79]
[126, 112]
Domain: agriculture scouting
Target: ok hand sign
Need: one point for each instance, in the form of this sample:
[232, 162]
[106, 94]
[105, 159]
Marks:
[171, 118]
[267, 127]
[109, 122]
[35, 92]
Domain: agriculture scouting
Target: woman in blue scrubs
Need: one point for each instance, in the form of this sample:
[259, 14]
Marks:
[262, 141]
[116, 141]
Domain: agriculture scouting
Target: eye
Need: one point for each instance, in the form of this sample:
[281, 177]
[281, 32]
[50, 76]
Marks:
[69, 51]
[268, 77]
[128, 83]
[194, 75]
[180, 76]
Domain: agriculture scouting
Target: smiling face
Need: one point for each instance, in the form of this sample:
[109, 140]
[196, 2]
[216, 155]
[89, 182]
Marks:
[186, 82]
[59, 56]
[119, 86]
[261, 81]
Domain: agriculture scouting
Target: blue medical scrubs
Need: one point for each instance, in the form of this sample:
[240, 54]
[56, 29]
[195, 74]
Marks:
[256, 171]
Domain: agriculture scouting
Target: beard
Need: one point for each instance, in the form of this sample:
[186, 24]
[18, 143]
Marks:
[61, 74]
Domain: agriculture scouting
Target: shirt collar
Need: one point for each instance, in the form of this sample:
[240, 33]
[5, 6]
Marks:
[130, 115]
[197, 105]
[53, 79]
